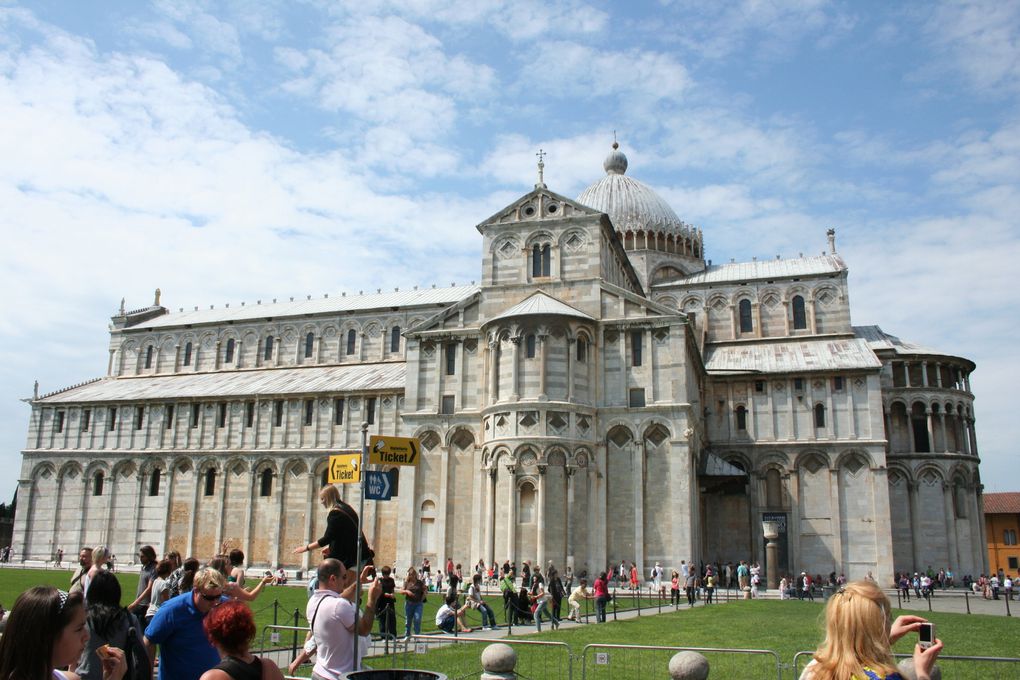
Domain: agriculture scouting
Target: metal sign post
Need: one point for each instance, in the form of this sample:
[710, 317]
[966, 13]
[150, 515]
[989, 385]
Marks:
[357, 566]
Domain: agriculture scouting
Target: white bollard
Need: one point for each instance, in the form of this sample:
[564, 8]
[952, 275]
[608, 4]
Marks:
[498, 662]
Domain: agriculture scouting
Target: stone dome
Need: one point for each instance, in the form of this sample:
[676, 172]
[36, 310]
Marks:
[630, 204]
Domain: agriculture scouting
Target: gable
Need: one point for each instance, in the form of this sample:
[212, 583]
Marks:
[459, 315]
[537, 206]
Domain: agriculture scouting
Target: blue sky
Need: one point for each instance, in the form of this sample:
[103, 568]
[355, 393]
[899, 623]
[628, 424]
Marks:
[230, 151]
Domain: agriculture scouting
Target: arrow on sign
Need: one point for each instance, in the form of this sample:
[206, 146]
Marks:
[378, 486]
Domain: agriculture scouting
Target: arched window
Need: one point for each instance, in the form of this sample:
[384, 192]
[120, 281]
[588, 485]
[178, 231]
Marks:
[427, 528]
[229, 356]
[309, 341]
[746, 324]
[352, 337]
[266, 486]
[148, 356]
[268, 354]
[773, 489]
[210, 482]
[154, 482]
[527, 513]
[187, 354]
[819, 415]
[799, 317]
[540, 260]
[741, 419]
[582, 350]
[97, 484]
[529, 346]
[395, 339]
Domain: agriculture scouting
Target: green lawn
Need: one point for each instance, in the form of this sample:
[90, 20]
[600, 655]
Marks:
[784, 627]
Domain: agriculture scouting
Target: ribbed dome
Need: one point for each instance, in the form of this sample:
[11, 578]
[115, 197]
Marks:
[631, 205]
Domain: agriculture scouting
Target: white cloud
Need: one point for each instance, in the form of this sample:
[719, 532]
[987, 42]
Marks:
[980, 39]
[395, 81]
[768, 30]
[568, 69]
[520, 20]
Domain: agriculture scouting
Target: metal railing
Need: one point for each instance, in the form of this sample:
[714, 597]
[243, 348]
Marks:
[649, 661]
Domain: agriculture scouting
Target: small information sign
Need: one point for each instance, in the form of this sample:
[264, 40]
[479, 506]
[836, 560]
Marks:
[393, 450]
[345, 468]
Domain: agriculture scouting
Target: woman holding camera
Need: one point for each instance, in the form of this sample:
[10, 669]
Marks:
[859, 634]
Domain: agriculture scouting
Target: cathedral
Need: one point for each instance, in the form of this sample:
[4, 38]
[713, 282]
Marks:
[605, 393]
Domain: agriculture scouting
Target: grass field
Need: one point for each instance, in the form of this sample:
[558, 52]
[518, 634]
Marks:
[785, 627]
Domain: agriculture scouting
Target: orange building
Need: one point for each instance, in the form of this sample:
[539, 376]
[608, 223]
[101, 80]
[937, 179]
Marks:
[1002, 526]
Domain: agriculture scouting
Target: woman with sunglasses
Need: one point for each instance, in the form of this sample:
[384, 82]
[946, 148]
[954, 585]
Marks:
[47, 631]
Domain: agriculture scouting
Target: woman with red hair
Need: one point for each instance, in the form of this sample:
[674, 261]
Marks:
[230, 628]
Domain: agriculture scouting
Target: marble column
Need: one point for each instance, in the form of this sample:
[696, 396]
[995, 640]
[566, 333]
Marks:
[540, 516]
[950, 510]
[490, 519]
[915, 524]
[511, 512]
[569, 471]
[515, 393]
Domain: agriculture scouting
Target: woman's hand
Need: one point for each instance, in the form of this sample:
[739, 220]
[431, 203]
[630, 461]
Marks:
[300, 549]
[114, 664]
[903, 625]
[924, 659]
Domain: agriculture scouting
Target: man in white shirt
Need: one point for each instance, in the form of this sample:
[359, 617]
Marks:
[331, 613]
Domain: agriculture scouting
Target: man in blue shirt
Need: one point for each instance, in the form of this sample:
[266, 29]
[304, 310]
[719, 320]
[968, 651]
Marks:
[184, 650]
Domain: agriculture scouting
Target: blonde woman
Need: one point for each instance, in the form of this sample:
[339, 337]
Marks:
[341, 537]
[100, 557]
[859, 634]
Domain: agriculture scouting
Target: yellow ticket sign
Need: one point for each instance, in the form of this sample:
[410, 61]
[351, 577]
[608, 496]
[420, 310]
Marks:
[393, 450]
[345, 468]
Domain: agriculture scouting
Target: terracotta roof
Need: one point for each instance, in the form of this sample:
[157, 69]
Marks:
[1002, 503]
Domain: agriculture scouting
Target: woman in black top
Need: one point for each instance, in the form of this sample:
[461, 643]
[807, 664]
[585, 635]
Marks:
[230, 628]
[341, 537]
[385, 606]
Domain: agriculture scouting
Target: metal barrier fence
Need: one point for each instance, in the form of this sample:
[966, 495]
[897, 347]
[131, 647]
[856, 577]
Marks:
[956, 667]
[603, 662]
[459, 657]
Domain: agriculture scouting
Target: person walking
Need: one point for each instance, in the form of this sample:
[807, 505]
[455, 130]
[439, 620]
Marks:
[674, 588]
[691, 586]
[542, 600]
[556, 591]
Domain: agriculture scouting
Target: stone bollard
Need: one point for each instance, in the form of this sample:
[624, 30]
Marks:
[747, 592]
[906, 667]
[688, 666]
[498, 662]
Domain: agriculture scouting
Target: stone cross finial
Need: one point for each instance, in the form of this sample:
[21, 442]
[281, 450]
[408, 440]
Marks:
[831, 233]
[155, 303]
[541, 169]
[35, 390]
[122, 306]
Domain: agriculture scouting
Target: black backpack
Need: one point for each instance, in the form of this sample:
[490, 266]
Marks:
[138, 665]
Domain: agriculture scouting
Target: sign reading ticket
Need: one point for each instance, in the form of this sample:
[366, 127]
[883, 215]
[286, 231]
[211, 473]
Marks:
[393, 450]
[345, 468]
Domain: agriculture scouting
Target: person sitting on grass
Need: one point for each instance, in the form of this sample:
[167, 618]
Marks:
[450, 616]
[859, 634]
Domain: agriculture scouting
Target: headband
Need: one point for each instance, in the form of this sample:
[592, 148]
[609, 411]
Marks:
[63, 600]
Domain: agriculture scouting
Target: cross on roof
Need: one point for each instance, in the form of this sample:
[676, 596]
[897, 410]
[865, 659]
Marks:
[541, 168]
